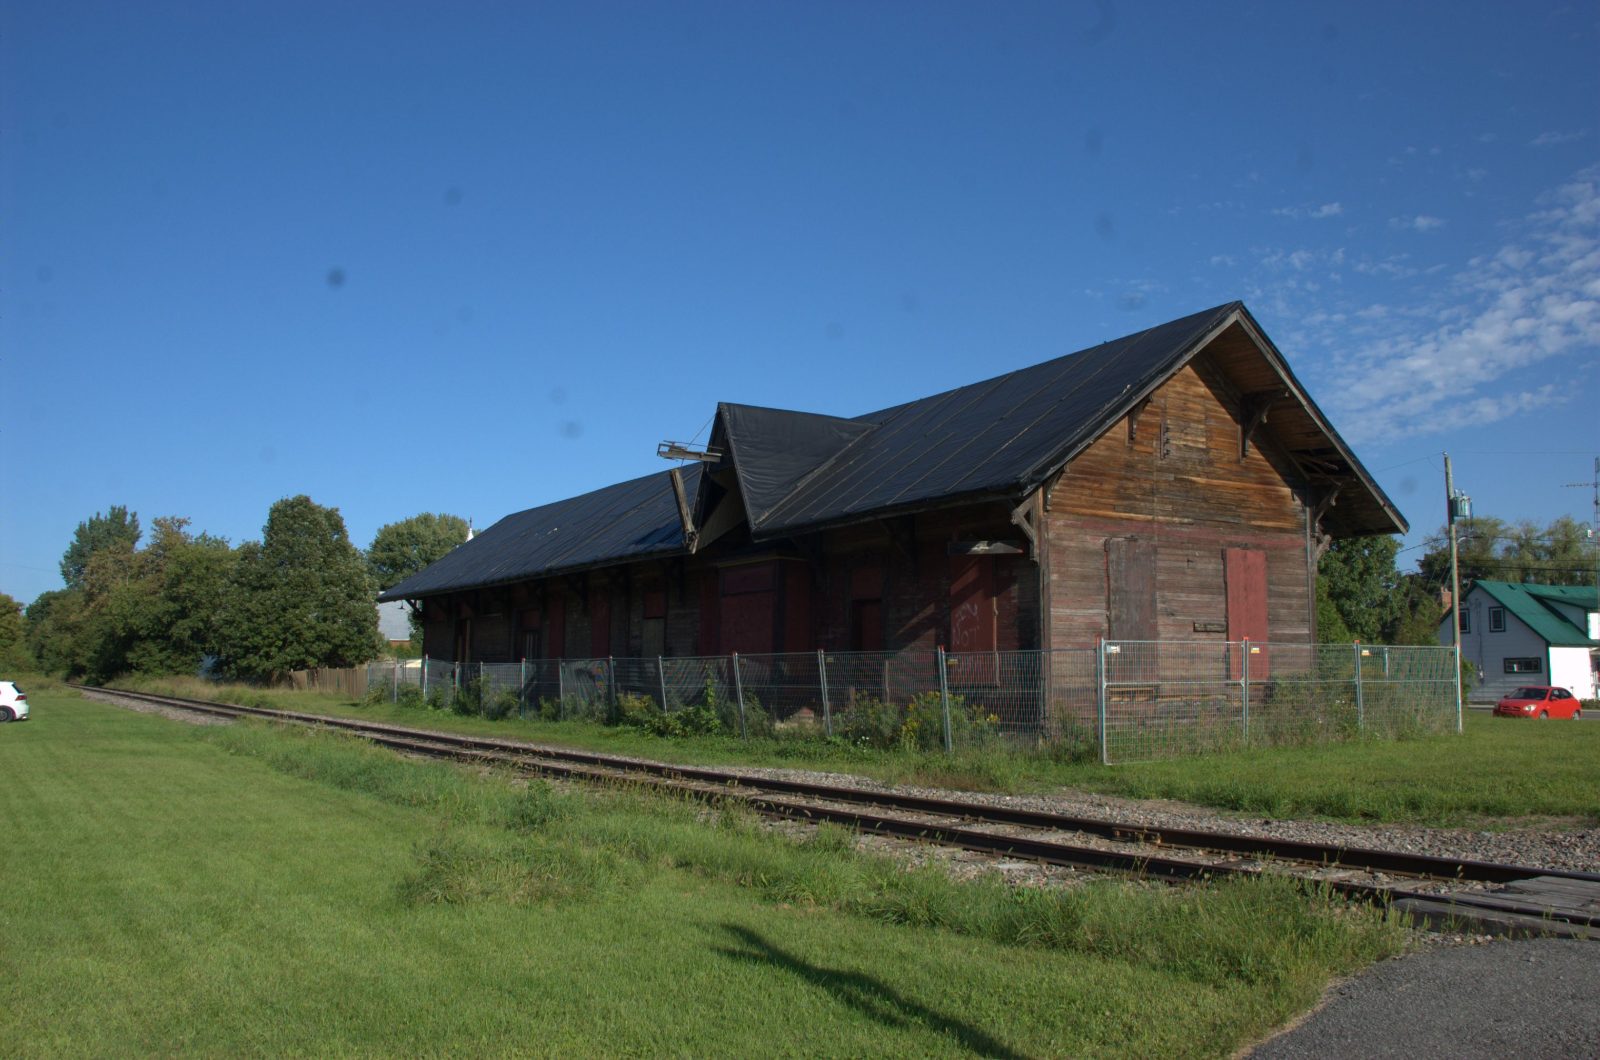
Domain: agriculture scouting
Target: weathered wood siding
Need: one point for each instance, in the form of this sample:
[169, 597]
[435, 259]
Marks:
[711, 604]
[1173, 493]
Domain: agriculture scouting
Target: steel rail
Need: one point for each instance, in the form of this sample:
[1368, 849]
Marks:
[718, 784]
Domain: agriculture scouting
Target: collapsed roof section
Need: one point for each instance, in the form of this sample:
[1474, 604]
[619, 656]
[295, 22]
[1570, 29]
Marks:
[783, 473]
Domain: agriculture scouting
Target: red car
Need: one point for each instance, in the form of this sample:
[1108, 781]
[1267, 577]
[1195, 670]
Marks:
[1539, 701]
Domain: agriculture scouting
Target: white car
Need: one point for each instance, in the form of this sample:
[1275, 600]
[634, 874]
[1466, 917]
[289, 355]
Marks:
[13, 703]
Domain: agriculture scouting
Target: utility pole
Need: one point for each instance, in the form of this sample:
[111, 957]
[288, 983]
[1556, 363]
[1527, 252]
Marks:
[1594, 536]
[1454, 504]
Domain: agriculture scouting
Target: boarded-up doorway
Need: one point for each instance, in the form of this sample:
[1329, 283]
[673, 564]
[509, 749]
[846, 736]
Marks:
[1130, 589]
[1246, 572]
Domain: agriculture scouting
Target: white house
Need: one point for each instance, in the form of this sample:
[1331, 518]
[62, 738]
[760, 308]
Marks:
[1524, 634]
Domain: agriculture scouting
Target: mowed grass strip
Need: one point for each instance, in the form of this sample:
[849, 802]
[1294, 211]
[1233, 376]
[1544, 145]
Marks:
[245, 891]
[1498, 773]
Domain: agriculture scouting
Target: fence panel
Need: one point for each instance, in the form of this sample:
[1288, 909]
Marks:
[587, 690]
[1125, 700]
[785, 689]
[639, 677]
[1164, 698]
[1072, 713]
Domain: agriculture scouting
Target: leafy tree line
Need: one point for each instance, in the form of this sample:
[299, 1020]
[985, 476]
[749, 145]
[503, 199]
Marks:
[1362, 595]
[301, 597]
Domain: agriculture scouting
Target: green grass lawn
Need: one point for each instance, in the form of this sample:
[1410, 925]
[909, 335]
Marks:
[244, 889]
[1499, 773]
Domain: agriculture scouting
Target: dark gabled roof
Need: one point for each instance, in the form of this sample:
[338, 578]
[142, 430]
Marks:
[630, 520]
[1530, 603]
[1000, 437]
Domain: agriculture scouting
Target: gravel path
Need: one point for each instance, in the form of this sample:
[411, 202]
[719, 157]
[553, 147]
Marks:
[1538, 998]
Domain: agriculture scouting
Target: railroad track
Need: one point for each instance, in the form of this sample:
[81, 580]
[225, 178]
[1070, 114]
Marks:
[1441, 892]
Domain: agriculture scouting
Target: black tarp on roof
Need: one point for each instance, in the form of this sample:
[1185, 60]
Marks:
[630, 520]
[1000, 436]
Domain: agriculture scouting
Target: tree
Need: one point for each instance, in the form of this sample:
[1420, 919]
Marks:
[116, 529]
[1557, 554]
[54, 622]
[1421, 613]
[14, 653]
[299, 599]
[1358, 579]
[401, 549]
[167, 617]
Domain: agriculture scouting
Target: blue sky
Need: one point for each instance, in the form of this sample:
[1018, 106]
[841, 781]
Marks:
[476, 257]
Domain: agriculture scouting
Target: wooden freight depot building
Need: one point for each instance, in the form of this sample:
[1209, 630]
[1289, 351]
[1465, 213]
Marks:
[1178, 483]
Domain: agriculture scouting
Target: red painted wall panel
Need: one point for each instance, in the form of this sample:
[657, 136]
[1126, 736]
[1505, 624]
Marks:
[599, 620]
[797, 608]
[555, 633]
[1246, 573]
[709, 643]
[747, 623]
[972, 625]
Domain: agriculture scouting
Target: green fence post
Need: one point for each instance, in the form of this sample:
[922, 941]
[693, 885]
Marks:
[1100, 697]
[1244, 685]
[822, 680]
[738, 691]
[944, 701]
[1361, 706]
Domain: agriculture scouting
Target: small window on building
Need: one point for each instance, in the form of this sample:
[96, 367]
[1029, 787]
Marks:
[1497, 620]
[1466, 621]
[1524, 666]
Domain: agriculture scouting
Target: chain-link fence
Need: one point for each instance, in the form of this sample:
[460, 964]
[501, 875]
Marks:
[1119, 700]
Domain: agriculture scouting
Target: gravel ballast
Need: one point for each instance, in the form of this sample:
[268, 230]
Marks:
[1575, 849]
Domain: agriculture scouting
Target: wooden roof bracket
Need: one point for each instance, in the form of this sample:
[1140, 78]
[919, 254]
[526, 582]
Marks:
[1049, 489]
[1253, 413]
[691, 536]
[1025, 516]
[1133, 419]
[1317, 511]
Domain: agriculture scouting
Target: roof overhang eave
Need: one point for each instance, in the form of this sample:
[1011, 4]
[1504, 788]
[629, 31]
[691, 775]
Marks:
[539, 575]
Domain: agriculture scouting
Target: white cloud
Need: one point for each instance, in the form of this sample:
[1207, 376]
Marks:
[1548, 139]
[1504, 335]
[1315, 213]
[1420, 223]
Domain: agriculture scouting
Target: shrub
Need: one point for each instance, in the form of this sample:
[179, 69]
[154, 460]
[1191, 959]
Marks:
[867, 721]
[501, 704]
[468, 700]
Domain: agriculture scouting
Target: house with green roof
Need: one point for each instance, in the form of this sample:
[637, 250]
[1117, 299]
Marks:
[1519, 633]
